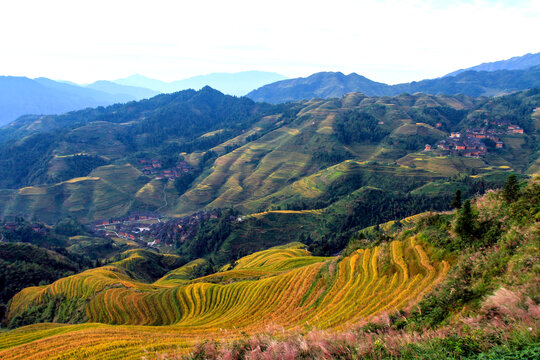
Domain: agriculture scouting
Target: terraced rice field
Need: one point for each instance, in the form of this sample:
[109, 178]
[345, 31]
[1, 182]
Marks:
[283, 286]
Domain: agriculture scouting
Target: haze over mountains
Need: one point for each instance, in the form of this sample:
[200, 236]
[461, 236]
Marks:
[20, 95]
[113, 88]
[238, 84]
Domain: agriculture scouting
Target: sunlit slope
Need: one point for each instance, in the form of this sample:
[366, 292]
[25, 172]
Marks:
[286, 286]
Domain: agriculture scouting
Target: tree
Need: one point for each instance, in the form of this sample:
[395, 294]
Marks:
[456, 202]
[466, 222]
[511, 189]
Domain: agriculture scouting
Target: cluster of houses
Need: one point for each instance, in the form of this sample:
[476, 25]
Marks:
[128, 218]
[36, 228]
[154, 167]
[179, 229]
[470, 142]
[137, 228]
[132, 227]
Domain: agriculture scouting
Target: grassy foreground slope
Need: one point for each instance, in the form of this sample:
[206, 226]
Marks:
[283, 286]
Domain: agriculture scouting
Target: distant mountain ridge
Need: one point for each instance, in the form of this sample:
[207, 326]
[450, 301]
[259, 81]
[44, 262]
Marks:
[138, 93]
[336, 84]
[21, 95]
[237, 84]
[515, 63]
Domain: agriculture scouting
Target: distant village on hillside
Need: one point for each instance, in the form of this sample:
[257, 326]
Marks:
[474, 142]
[150, 229]
[154, 167]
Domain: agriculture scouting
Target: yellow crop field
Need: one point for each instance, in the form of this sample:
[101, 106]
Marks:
[284, 286]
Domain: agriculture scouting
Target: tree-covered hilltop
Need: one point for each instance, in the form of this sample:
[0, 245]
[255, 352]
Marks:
[23, 265]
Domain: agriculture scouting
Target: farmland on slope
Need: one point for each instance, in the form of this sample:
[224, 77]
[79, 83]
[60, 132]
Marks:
[283, 286]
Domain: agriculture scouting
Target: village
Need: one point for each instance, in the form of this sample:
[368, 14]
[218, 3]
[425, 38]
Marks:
[151, 229]
[12, 226]
[135, 227]
[473, 142]
[154, 168]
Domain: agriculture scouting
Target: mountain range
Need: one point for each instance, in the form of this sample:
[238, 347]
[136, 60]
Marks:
[185, 224]
[221, 151]
[336, 84]
[515, 63]
[20, 96]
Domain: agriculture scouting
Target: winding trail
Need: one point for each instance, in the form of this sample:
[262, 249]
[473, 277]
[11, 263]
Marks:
[164, 199]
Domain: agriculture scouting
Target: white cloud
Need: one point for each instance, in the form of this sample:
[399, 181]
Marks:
[390, 41]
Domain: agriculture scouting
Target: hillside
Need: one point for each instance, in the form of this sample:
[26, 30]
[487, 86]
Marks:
[515, 63]
[193, 150]
[20, 96]
[327, 85]
[459, 280]
[320, 290]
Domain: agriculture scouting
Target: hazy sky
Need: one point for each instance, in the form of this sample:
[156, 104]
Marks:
[386, 40]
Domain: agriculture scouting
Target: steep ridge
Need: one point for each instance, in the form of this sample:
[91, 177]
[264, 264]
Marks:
[320, 85]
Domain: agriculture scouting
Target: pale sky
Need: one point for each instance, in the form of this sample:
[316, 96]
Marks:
[389, 41]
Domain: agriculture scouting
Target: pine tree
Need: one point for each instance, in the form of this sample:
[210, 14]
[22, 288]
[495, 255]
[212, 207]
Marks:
[465, 223]
[511, 189]
[456, 202]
